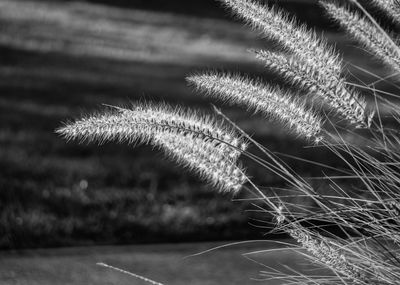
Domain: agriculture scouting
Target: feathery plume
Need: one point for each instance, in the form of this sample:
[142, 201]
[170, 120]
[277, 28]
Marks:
[327, 254]
[296, 38]
[142, 121]
[318, 66]
[365, 33]
[199, 142]
[208, 160]
[390, 7]
[331, 89]
[270, 101]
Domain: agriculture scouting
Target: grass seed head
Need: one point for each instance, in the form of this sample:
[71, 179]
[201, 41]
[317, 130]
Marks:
[270, 101]
[199, 142]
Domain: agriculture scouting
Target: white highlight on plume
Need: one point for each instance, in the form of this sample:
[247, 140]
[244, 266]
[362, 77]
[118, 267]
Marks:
[197, 141]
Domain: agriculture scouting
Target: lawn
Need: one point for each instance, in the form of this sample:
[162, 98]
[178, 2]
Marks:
[168, 264]
[60, 60]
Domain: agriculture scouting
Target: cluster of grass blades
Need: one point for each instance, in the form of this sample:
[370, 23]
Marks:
[357, 123]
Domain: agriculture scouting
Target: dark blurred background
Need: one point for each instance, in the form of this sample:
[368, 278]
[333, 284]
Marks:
[61, 59]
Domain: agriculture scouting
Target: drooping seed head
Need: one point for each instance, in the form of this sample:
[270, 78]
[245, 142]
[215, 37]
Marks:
[197, 141]
[295, 38]
[270, 101]
[366, 33]
[331, 90]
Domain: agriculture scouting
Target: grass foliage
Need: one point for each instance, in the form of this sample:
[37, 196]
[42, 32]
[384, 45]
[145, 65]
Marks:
[350, 229]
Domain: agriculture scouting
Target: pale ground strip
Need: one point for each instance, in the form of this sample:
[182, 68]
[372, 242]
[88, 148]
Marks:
[168, 264]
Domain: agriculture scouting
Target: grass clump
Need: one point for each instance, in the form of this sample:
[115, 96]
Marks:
[362, 247]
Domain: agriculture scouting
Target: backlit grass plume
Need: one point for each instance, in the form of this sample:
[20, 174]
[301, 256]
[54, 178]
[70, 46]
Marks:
[390, 7]
[268, 100]
[328, 88]
[196, 141]
[295, 38]
[366, 33]
[327, 252]
[312, 63]
[345, 217]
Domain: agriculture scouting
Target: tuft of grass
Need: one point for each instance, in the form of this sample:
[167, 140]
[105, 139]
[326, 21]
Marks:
[350, 229]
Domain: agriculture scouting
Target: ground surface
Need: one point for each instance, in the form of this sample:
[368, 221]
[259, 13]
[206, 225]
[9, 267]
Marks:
[169, 264]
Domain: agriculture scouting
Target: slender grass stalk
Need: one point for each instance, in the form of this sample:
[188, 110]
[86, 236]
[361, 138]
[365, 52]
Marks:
[137, 276]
